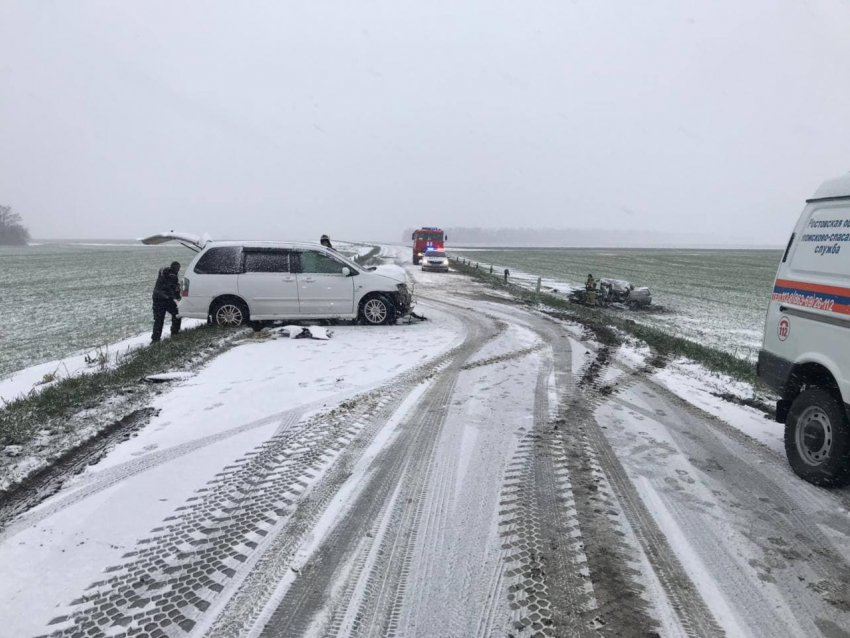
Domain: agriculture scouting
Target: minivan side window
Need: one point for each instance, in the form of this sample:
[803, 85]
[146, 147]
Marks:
[315, 262]
[266, 261]
[223, 260]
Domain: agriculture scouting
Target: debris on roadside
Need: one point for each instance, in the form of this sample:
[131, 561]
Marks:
[167, 376]
[305, 332]
[287, 332]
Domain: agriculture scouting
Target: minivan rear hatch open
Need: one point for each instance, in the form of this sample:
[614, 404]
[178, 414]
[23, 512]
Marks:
[190, 241]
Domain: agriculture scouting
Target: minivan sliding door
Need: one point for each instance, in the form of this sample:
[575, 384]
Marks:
[268, 283]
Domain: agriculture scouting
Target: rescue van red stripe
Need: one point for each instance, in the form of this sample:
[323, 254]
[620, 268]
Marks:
[804, 285]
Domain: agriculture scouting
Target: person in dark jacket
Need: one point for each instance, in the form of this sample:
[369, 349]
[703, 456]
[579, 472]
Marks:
[165, 293]
[326, 242]
[590, 287]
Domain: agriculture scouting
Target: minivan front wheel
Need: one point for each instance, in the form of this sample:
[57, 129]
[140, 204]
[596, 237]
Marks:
[376, 311]
[817, 439]
[229, 312]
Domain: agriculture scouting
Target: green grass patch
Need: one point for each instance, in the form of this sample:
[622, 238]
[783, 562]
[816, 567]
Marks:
[21, 419]
[660, 341]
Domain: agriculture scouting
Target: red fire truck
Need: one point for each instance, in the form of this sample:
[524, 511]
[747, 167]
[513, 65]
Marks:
[427, 238]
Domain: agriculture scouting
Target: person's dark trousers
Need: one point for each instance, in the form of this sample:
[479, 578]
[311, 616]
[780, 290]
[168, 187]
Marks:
[160, 307]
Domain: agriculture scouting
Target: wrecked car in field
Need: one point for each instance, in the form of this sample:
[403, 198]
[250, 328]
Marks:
[616, 293]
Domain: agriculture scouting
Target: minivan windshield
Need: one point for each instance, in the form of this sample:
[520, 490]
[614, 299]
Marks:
[348, 262]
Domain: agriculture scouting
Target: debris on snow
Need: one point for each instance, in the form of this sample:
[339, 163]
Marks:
[167, 376]
[305, 332]
[317, 332]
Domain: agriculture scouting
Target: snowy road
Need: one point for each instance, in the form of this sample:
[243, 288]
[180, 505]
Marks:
[490, 472]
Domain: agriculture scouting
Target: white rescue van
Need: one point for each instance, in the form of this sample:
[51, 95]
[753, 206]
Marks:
[806, 353]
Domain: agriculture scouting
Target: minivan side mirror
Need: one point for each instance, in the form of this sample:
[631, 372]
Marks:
[346, 271]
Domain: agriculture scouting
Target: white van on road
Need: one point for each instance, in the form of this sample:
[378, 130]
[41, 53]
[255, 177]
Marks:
[806, 353]
[241, 282]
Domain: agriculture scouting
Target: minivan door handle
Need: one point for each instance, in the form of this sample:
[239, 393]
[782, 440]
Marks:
[309, 279]
[289, 278]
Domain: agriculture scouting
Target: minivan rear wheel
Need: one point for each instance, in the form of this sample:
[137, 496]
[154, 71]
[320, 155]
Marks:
[817, 439]
[229, 312]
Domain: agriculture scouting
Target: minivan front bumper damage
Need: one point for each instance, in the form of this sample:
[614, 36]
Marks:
[403, 301]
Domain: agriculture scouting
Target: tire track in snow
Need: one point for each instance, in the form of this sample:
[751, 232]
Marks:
[408, 463]
[774, 523]
[516, 354]
[172, 578]
[453, 570]
[89, 486]
[600, 493]
[548, 589]
[602, 488]
[571, 591]
[760, 487]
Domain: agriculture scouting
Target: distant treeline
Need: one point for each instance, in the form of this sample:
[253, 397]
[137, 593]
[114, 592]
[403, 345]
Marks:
[12, 230]
[561, 237]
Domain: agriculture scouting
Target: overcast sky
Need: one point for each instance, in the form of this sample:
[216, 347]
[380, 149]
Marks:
[284, 120]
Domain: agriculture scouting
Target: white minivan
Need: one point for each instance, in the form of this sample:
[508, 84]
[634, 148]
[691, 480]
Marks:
[806, 353]
[241, 282]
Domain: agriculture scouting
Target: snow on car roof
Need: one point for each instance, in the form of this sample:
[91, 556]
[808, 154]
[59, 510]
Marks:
[837, 187]
[261, 243]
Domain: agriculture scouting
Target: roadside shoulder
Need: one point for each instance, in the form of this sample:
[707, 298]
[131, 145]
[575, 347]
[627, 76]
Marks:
[62, 419]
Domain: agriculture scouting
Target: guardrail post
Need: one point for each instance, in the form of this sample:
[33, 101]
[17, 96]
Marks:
[537, 290]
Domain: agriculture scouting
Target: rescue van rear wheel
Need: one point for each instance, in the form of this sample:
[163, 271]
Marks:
[817, 439]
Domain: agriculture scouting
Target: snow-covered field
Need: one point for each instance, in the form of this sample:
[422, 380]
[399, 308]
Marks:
[73, 297]
[487, 472]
